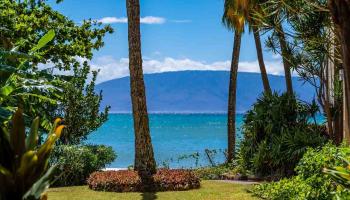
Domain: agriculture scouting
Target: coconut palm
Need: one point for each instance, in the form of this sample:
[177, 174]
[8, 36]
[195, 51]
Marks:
[236, 13]
[271, 15]
[144, 156]
[232, 19]
[246, 8]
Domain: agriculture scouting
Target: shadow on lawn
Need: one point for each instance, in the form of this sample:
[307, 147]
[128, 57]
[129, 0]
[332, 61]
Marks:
[149, 196]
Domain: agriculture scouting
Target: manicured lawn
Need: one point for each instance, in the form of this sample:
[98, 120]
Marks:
[210, 190]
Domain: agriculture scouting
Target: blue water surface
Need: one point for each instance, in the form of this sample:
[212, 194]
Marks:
[173, 135]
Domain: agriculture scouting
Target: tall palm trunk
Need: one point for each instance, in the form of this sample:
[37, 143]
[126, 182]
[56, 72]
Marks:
[340, 11]
[231, 114]
[144, 157]
[285, 57]
[263, 72]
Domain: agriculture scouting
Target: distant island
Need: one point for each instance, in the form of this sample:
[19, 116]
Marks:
[195, 91]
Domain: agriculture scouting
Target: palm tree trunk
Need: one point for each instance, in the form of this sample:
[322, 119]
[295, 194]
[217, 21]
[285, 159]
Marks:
[264, 77]
[285, 56]
[144, 157]
[231, 114]
[340, 11]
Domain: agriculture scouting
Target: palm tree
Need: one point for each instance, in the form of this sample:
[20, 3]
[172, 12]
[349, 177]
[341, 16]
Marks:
[236, 13]
[144, 156]
[233, 20]
[285, 57]
[263, 72]
[271, 17]
[248, 7]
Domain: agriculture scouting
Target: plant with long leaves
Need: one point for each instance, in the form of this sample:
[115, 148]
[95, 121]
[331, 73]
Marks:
[24, 170]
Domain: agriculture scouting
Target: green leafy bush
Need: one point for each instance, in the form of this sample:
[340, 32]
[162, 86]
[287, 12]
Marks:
[277, 132]
[310, 182]
[129, 181]
[216, 172]
[76, 163]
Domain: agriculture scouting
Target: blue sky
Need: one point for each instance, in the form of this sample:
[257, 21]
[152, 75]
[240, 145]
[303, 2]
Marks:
[176, 35]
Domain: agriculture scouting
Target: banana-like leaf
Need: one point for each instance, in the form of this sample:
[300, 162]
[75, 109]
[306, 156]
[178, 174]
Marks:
[44, 40]
[6, 90]
[39, 187]
[32, 138]
[17, 133]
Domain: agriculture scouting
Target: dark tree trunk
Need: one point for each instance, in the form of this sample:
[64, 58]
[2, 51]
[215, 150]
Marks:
[340, 11]
[259, 52]
[144, 157]
[285, 57]
[231, 114]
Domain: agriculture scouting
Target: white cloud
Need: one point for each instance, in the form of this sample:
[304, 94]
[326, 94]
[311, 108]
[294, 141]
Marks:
[143, 20]
[113, 20]
[111, 68]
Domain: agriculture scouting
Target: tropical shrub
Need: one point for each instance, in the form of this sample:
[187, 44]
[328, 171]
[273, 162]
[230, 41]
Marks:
[277, 132]
[310, 182]
[24, 170]
[76, 163]
[80, 106]
[129, 181]
[341, 175]
[216, 172]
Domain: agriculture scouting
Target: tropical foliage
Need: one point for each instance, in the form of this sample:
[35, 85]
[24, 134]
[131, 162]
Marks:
[341, 175]
[24, 169]
[23, 23]
[80, 106]
[277, 131]
[310, 182]
[75, 163]
[23, 84]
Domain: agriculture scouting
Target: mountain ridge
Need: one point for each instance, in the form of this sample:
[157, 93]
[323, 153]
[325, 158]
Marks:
[195, 91]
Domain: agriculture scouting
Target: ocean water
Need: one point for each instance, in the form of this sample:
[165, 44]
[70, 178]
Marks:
[176, 138]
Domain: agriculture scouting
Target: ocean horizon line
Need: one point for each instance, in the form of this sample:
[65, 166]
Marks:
[180, 112]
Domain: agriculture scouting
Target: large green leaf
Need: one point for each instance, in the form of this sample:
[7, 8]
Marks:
[44, 40]
[32, 138]
[6, 90]
[40, 186]
[17, 133]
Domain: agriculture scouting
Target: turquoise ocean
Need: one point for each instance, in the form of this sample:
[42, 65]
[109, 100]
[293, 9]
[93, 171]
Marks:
[176, 138]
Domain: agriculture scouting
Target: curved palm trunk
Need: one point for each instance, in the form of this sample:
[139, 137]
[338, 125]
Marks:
[264, 77]
[285, 56]
[231, 114]
[144, 157]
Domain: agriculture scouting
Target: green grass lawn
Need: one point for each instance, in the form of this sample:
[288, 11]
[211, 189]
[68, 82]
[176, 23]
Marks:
[210, 190]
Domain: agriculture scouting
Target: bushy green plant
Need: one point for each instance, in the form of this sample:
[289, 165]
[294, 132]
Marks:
[277, 131]
[80, 106]
[213, 173]
[341, 175]
[310, 182]
[76, 163]
[24, 169]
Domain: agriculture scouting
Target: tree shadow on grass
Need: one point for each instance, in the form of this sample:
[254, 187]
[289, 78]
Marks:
[149, 196]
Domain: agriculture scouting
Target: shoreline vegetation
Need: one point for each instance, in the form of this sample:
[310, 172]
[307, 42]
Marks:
[280, 148]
